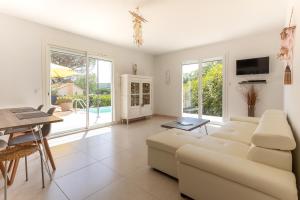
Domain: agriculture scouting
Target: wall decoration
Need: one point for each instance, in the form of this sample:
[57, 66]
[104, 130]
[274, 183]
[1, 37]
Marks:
[134, 69]
[286, 50]
[137, 26]
[167, 77]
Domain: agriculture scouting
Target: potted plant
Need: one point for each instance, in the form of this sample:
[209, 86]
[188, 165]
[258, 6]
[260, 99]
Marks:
[53, 96]
[65, 102]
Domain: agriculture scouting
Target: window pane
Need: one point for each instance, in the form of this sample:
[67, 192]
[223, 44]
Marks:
[100, 94]
[68, 90]
[212, 88]
[190, 82]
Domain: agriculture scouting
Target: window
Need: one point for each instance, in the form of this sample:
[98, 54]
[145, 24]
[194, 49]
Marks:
[202, 90]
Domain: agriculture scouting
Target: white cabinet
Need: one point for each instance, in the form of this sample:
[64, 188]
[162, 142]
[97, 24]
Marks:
[136, 96]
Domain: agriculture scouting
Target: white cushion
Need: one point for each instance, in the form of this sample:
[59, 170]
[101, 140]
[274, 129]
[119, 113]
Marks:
[171, 140]
[274, 132]
[254, 120]
[276, 158]
[236, 131]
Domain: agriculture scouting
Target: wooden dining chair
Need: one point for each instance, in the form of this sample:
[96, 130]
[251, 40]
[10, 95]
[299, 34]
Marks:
[9, 153]
[40, 107]
[35, 136]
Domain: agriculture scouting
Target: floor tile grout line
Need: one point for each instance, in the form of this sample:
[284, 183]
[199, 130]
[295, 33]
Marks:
[88, 196]
[121, 176]
[94, 157]
[61, 190]
[73, 171]
[137, 185]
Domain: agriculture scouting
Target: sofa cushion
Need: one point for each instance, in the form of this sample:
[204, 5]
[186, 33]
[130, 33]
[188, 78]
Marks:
[236, 131]
[171, 140]
[254, 120]
[276, 158]
[274, 132]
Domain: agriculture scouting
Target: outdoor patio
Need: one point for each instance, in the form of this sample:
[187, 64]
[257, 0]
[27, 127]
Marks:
[75, 120]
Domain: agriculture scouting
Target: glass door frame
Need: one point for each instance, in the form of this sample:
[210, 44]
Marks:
[46, 85]
[224, 86]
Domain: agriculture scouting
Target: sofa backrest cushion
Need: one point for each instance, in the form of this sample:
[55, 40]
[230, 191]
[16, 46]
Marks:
[239, 131]
[274, 132]
[275, 158]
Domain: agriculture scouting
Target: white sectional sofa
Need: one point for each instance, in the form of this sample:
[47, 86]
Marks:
[247, 158]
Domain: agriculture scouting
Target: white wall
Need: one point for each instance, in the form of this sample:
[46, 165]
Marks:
[22, 49]
[292, 93]
[168, 97]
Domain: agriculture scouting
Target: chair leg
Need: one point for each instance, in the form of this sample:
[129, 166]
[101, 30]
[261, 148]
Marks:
[11, 163]
[49, 154]
[26, 168]
[42, 168]
[5, 180]
[14, 172]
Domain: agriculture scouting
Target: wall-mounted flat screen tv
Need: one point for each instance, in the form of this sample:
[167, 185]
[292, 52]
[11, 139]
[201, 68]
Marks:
[252, 66]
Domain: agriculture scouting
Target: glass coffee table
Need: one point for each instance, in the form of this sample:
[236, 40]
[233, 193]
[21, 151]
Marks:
[187, 123]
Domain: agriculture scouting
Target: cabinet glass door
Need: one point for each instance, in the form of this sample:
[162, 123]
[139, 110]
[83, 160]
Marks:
[135, 93]
[146, 94]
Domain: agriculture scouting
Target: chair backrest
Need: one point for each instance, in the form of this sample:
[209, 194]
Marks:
[47, 127]
[40, 107]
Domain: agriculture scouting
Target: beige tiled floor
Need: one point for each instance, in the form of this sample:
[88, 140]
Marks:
[104, 164]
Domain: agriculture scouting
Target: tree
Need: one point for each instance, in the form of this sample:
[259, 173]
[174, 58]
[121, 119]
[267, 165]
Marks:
[212, 83]
[81, 82]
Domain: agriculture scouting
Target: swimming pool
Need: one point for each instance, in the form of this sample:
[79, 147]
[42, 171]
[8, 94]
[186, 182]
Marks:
[106, 109]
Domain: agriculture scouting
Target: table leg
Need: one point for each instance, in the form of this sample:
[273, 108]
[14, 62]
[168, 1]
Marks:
[205, 129]
[49, 154]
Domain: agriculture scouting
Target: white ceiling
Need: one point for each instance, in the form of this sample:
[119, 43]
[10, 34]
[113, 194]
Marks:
[173, 24]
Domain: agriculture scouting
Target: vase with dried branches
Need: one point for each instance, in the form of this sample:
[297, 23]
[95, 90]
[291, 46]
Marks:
[251, 98]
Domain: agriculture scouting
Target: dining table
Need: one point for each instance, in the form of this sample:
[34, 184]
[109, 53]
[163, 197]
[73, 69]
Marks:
[27, 117]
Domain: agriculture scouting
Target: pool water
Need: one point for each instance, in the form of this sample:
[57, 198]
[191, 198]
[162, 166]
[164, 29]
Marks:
[106, 109]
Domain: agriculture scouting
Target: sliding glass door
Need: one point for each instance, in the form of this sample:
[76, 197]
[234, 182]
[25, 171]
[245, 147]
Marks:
[100, 91]
[81, 93]
[68, 90]
[202, 90]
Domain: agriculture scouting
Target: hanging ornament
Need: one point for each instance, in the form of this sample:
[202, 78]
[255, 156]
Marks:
[286, 50]
[287, 75]
[137, 20]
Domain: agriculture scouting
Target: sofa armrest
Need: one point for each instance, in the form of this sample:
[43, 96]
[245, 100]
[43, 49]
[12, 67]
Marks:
[254, 120]
[275, 182]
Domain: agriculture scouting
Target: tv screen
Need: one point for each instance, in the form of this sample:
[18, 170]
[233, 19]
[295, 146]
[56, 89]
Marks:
[252, 66]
